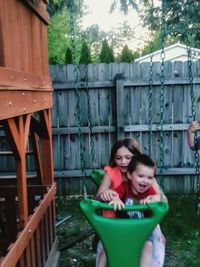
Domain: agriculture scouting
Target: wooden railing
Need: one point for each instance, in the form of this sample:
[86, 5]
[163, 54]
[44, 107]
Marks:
[36, 243]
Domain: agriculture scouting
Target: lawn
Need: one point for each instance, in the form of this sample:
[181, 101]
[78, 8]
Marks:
[180, 228]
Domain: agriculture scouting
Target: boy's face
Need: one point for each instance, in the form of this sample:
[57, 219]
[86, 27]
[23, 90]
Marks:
[142, 178]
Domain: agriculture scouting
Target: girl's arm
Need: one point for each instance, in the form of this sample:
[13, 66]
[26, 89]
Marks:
[159, 191]
[153, 198]
[104, 193]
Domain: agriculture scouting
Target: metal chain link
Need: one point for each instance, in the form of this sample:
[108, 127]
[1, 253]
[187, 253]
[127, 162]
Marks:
[93, 155]
[86, 89]
[77, 95]
[162, 87]
[193, 109]
[150, 101]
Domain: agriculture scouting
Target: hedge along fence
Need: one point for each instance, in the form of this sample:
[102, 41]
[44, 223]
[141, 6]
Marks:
[119, 104]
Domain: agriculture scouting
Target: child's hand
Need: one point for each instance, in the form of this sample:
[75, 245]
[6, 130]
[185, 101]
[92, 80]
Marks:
[117, 203]
[151, 199]
[108, 195]
[193, 127]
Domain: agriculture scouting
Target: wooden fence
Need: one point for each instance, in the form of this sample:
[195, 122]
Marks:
[113, 102]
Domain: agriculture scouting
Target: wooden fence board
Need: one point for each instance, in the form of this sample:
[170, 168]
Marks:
[131, 110]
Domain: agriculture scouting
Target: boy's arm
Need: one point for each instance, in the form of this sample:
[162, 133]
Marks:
[117, 203]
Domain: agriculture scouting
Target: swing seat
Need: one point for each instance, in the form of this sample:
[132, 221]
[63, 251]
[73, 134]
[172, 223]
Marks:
[97, 176]
[123, 238]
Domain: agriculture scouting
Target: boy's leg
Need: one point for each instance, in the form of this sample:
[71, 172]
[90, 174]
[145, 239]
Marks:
[158, 241]
[101, 256]
[147, 255]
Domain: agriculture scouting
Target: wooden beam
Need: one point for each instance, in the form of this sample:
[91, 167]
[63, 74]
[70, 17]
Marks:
[36, 149]
[21, 177]
[16, 103]
[12, 79]
[13, 137]
[39, 8]
[46, 149]
[27, 127]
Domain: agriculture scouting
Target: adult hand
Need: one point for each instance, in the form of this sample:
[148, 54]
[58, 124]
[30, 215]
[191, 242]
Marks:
[194, 125]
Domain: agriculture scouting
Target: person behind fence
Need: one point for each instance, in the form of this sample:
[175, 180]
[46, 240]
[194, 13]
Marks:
[139, 188]
[193, 127]
[115, 173]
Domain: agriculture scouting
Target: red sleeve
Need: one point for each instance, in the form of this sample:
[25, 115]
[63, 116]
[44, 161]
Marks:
[151, 191]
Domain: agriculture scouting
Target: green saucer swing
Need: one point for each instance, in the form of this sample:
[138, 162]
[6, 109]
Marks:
[123, 239]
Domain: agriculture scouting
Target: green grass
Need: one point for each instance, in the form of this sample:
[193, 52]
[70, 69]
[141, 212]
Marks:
[179, 227]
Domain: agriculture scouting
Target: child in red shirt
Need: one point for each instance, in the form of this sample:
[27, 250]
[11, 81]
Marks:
[139, 188]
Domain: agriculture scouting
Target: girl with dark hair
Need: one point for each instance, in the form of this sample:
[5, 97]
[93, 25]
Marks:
[115, 174]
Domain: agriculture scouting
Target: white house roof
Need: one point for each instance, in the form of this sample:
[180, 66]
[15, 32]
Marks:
[176, 52]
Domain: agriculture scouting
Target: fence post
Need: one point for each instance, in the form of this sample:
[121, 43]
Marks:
[120, 107]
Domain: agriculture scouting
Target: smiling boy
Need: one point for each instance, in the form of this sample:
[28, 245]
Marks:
[139, 188]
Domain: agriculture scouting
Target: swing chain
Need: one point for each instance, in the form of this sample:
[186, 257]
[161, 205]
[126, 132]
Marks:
[150, 100]
[93, 158]
[193, 110]
[77, 94]
[162, 97]
[86, 90]
[193, 107]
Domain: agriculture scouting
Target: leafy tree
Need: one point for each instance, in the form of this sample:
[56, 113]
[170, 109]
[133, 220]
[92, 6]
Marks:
[180, 21]
[119, 36]
[58, 30]
[181, 18]
[85, 54]
[68, 56]
[56, 6]
[94, 38]
[106, 54]
[123, 5]
[127, 55]
[136, 55]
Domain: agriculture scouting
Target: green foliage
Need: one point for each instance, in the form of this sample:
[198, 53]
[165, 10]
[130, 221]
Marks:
[68, 56]
[136, 55]
[57, 6]
[122, 34]
[58, 30]
[124, 5]
[153, 45]
[127, 55]
[182, 20]
[106, 54]
[180, 230]
[85, 54]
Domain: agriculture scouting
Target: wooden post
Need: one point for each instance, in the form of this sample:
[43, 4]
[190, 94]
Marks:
[47, 151]
[120, 107]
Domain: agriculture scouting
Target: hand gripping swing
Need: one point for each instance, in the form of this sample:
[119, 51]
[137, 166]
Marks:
[123, 238]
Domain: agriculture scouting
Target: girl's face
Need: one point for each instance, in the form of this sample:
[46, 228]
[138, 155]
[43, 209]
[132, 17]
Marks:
[141, 178]
[122, 158]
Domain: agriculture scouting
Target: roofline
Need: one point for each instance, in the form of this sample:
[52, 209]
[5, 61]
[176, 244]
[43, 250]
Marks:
[166, 48]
